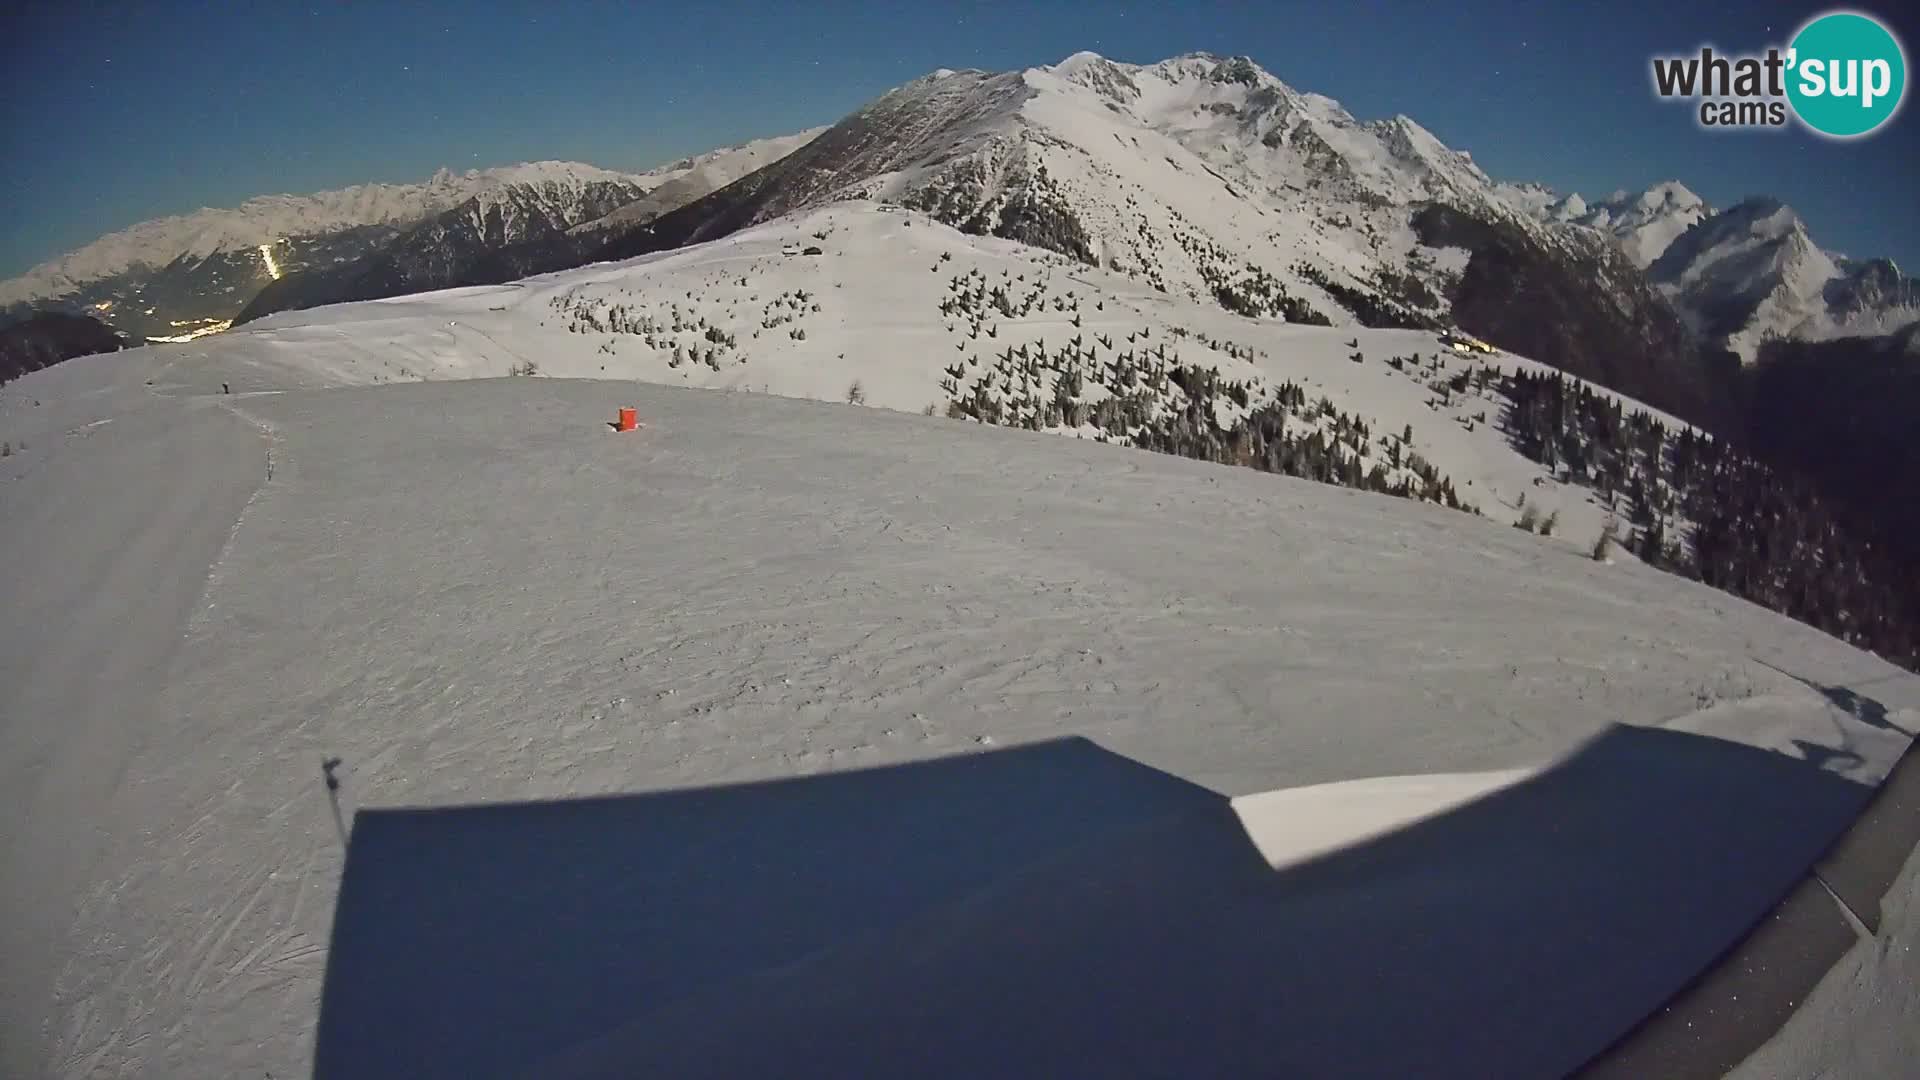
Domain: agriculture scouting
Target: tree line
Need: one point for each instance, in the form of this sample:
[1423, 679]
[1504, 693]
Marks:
[1699, 507]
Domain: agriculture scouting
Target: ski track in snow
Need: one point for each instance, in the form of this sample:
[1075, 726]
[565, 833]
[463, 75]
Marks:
[473, 592]
[102, 577]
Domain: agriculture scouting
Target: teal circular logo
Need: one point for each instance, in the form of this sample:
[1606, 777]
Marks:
[1846, 74]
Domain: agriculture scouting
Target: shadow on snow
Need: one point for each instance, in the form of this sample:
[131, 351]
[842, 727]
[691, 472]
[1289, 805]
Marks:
[1054, 909]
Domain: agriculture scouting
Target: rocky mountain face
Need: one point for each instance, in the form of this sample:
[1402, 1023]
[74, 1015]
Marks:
[938, 118]
[471, 243]
[515, 231]
[1539, 300]
[267, 219]
[1742, 276]
[43, 340]
[179, 276]
[1641, 225]
[697, 176]
[1751, 274]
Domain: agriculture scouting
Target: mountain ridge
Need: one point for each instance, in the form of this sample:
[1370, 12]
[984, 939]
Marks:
[189, 274]
[266, 218]
[1753, 274]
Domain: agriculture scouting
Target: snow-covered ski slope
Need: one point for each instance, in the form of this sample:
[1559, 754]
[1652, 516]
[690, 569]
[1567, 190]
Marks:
[472, 592]
[739, 314]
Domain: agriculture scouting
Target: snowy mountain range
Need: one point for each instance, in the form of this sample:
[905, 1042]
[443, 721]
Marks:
[1199, 175]
[1752, 273]
[478, 236]
[1741, 276]
[1643, 224]
[175, 276]
[1144, 169]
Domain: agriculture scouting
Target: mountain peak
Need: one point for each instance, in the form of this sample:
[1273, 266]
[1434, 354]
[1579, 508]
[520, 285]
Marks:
[1670, 193]
[1763, 215]
[1237, 69]
[1571, 208]
[941, 74]
[1641, 224]
[1099, 74]
[1405, 127]
[1752, 273]
[1214, 68]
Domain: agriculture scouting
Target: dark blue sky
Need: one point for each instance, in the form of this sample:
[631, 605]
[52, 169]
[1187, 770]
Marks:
[113, 113]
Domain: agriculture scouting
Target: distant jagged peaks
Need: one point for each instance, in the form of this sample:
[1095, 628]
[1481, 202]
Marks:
[1670, 193]
[265, 219]
[1753, 223]
[268, 219]
[1739, 276]
[1094, 70]
[1751, 274]
[1099, 74]
[1571, 208]
[1760, 215]
[696, 176]
[1641, 224]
